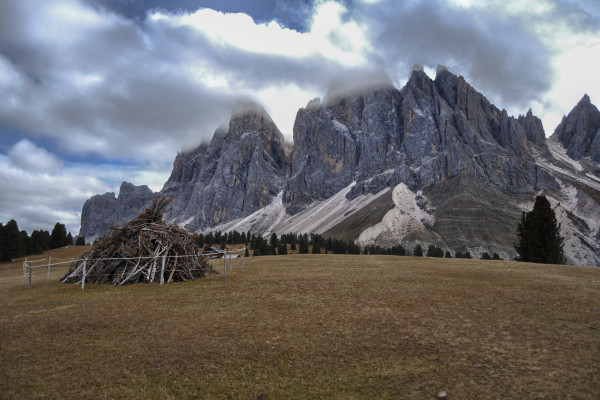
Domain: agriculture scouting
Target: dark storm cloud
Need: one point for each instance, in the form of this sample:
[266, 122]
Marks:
[498, 55]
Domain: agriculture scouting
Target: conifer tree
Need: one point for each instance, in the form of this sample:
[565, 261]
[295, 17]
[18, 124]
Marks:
[282, 249]
[538, 235]
[418, 252]
[2, 242]
[303, 244]
[274, 241]
[58, 237]
[316, 248]
[12, 239]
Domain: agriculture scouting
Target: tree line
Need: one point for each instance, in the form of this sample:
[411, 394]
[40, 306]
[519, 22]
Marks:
[317, 244]
[15, 243]
[278, 245]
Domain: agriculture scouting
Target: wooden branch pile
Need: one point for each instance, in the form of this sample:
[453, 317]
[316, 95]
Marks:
[144, 250]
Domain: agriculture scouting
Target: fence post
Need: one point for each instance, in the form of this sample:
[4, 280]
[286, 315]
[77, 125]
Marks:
[30, 275]
[243, 258]
[83, 276]
[224, 264]
[49, 260]
[162, 270]
[229, 254]
[25, 272]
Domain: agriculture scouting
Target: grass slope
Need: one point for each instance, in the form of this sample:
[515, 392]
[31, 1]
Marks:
[306, 327]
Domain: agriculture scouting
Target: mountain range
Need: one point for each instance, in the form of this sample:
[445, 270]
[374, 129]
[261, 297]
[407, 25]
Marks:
[432, 163]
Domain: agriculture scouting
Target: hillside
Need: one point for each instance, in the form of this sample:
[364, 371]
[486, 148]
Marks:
[308, 327]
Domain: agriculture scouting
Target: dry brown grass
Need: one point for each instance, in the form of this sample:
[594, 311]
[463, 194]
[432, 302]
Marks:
[324, 326]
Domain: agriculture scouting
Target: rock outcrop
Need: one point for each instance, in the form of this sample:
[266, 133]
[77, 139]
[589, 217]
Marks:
[100, 212]
[242, 170]
[579, 131]
[534, 130]
[428, 132]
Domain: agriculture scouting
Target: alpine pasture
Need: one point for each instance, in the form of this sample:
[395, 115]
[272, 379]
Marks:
[307, 327]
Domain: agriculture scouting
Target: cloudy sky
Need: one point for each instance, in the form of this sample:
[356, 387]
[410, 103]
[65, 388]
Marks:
[94, 92]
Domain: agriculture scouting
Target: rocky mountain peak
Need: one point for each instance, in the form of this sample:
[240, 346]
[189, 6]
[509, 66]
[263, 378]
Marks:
[533, 129]
[128, 189]
[585, 100]
[418, 80]
[100, 212]
[252, 119]
[241, 170]
[578, 131]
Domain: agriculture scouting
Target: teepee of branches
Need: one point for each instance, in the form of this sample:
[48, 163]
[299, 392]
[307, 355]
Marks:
[144, 250]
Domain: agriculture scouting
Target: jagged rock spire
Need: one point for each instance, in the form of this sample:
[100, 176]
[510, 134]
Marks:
[578, 131]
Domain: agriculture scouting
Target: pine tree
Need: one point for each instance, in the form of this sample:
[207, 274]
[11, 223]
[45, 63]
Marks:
[274, 242]
[2, 242]
[434, 251]
[418, 251]
[12, 237]
[303, 244]
[25, 246]
[538, 235]
[353, 248]
[316, 248]
[58, 237]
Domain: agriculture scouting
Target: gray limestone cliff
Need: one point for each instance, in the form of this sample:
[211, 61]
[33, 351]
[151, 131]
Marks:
[241, 170]
[429, 131]
[432, 163]
[100, 212]
[579, 131]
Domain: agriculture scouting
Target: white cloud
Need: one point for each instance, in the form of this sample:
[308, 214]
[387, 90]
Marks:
[28, 157]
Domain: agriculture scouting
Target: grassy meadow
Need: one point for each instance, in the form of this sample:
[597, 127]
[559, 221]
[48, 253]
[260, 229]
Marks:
[308, 327]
